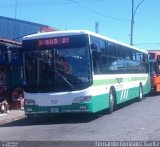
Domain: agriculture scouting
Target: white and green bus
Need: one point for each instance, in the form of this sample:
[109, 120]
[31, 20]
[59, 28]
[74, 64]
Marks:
[81, 71]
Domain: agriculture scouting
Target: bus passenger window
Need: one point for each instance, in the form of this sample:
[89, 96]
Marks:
[133, 56]
[96, 63]
[138, 58]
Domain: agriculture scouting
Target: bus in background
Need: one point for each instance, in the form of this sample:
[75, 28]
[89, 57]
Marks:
[154, 59]
[81, 71]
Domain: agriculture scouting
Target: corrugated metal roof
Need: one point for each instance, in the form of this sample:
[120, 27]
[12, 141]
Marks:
[3, 40]
[26, 22]
[15, 29]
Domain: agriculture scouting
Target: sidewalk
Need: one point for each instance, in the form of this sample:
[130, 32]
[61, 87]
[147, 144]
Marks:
[11, 116]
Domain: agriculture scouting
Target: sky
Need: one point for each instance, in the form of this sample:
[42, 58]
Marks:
[113, 17]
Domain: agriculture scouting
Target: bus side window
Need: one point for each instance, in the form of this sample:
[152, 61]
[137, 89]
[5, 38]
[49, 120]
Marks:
[144, 60]
[111, 49]
[103, 47]
[119, 49]
[133, 56]
[96, 45]
[138, 57]
[96, 62]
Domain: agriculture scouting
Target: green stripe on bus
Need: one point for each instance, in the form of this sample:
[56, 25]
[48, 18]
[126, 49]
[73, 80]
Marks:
[114, 81]
[104, 81]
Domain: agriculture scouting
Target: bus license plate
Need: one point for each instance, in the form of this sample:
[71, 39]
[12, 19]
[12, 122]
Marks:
[54, 110]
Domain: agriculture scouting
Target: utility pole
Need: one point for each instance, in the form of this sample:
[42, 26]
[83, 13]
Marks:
[132, 23]
[132, 19]
[97, 26]
[15, 10]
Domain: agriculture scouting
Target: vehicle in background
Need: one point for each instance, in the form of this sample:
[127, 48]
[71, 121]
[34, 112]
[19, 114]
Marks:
[154, 59]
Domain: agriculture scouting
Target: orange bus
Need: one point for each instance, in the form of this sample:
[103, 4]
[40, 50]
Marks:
[154, 59]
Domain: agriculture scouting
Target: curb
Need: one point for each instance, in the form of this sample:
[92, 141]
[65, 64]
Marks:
[11, 119]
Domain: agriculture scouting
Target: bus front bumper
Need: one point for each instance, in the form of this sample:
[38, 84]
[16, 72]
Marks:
[74, 108]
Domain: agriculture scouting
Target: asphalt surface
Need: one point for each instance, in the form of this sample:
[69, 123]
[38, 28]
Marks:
[135, 121]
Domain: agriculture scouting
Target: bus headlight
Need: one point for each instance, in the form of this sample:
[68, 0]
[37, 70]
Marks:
[82, 99]
[29, 102]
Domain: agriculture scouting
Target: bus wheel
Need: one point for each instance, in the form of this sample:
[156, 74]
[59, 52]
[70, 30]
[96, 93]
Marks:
[140, 97]
[111, 101]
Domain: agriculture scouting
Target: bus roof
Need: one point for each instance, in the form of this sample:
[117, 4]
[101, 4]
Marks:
[76, 32]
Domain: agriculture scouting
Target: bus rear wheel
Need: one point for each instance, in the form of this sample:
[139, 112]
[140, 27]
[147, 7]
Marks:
[111, 101]
[140, 97]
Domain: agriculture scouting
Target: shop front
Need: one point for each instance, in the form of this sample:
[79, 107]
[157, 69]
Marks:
[10, 71]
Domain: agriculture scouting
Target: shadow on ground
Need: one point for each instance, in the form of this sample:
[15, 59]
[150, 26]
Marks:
[67, 118]
[50, 120]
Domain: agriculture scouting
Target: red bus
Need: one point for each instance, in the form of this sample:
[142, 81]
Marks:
[154, 59]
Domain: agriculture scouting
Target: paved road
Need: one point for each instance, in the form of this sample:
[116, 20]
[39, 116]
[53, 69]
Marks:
[136, 121]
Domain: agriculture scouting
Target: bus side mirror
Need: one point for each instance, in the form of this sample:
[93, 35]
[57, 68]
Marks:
[93, 46]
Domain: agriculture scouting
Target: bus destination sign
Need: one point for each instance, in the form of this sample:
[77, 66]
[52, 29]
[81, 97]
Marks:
[53, 41]
[56, 42]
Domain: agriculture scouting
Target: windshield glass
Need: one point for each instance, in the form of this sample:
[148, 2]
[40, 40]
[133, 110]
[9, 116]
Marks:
[58, 69]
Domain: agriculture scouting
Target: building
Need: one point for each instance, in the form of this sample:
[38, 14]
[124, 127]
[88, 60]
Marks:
[15, 29]
[10, 67]
[11, 33]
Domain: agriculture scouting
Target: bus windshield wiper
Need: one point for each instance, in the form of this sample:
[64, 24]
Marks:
[54, 52]
[64, 78]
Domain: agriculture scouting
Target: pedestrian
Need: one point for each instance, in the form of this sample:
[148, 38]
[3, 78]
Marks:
[17, 98]
[4, 107]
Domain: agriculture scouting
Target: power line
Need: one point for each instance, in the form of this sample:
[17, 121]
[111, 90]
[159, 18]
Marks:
[43, 3]
[57, 2]
[99, 13]
[33, 4]
[148, 43]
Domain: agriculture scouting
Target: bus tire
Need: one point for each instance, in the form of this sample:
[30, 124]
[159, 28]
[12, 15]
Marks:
[140, 97]
[111, 100]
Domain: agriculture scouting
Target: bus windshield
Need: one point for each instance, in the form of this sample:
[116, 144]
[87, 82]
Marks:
[57, 69]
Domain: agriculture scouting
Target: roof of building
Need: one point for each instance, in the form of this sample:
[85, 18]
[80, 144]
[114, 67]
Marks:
[26, 22]
[8, 41]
